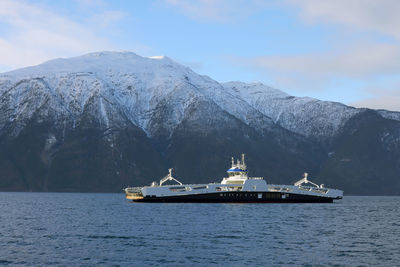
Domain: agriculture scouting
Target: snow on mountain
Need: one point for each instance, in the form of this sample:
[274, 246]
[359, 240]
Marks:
[392, 115]
[122, 87]
[303, 115]
[114, 87]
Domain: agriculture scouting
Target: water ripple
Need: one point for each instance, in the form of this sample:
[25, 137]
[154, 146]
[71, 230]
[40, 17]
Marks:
[103, 229]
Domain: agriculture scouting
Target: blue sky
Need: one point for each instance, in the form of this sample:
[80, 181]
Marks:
[346, 51]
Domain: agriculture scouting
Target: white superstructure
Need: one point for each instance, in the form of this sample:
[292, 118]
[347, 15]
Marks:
[237, 187]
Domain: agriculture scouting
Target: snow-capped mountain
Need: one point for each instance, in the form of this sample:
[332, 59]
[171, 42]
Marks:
[303, 115]
[117, 87]
[125, 118]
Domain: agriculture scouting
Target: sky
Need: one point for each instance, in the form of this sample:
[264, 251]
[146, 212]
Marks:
[337, 50]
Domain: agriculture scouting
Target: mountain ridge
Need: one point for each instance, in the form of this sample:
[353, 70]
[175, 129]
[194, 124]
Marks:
[171, 112]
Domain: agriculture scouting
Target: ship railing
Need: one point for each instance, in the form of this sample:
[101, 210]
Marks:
[314, 189]
[180, 188]
[320, 190]
[305, 188]
[133, 190]
[256, 178]
[279, 189]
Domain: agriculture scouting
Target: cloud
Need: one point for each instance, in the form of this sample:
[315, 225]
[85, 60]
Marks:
[379, 16]
[318, 72]
[363, 48]
[356, 58]
[358, 61]
[381, 98]
[107, 18]
[221, 11]
[36, 33]
[90, 4]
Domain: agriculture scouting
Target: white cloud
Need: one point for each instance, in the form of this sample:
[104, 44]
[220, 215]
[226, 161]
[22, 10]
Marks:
[89, 4]
[358, 58]
[35, 33]
[365, 49]
[222, 11]
[381, 98]
[380, 16]
[357, 61]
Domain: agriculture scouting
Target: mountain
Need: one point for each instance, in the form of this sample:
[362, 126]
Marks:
[103, 121]
[303, 115]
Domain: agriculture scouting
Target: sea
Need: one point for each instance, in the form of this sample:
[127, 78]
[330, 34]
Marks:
[89, 229]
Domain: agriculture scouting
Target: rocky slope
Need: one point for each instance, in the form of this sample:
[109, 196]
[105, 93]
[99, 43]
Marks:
[106, 120]
[304, 115]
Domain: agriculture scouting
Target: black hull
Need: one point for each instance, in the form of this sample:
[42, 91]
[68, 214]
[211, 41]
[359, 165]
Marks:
[239, 197]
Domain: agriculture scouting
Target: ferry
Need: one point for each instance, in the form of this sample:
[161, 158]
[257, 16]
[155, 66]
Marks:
[238, 187]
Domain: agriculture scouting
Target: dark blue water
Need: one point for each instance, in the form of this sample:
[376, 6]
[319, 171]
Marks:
[104, 229]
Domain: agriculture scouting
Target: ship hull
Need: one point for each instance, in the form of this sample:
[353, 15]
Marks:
[238, 197]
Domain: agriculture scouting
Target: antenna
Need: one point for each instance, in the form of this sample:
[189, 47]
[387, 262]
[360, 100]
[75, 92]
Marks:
[233, 162]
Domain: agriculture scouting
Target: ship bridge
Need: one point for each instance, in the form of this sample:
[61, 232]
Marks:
[237, 174]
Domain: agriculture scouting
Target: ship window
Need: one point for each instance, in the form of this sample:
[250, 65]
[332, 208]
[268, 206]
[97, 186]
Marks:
[199, 187]
[272, 195]
[221, 194]
[259, 195]
[178, 188]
